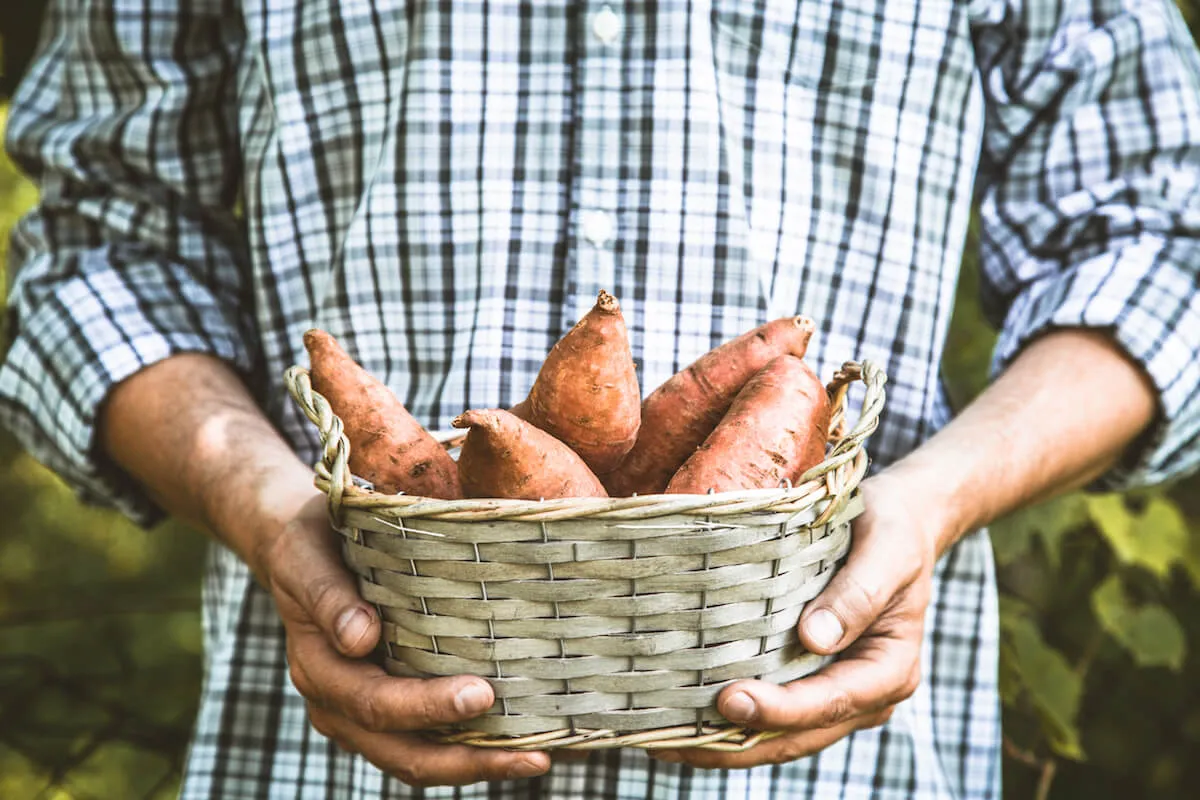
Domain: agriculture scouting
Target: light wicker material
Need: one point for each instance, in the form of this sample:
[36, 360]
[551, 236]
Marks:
[600, 622]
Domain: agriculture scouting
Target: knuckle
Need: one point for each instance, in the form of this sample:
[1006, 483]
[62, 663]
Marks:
[485, 770]
[838, 709]
[368, 713]
[911, 682]
[906, 687]
[320, 722]
[414, 775]
[790, 751]
[861, 599]
[300, 680]
[431, 710]
[783, 755]
[321, 595]
[432, 702]
[876, 719]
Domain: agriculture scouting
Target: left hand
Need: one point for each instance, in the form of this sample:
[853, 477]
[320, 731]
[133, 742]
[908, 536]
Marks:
[873, 612]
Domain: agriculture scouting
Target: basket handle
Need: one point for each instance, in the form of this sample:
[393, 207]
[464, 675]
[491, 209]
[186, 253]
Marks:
[334, 464]
[847, 443]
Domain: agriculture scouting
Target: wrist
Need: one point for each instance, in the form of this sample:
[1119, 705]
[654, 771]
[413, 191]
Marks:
[254, 513]
[931, 489]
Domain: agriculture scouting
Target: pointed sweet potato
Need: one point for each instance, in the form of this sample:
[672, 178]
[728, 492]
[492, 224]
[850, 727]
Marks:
[388, 447]
[775, 430]
[586, 393]
[504, 456]
[678, 415]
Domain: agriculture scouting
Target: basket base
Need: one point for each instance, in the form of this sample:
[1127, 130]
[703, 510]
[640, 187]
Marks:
[730, 739]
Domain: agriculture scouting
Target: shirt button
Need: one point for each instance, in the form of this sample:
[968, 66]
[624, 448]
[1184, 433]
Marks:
[597, 227]
[606, 25]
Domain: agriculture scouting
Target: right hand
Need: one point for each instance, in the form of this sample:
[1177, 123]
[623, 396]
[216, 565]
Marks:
[330, 629]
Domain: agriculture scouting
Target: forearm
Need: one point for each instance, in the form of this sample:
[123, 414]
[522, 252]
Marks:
[188, 430]
[1060, 416]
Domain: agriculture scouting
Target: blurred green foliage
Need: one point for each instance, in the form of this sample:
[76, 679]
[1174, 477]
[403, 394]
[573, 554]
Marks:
[99, 630]
[1100, 619]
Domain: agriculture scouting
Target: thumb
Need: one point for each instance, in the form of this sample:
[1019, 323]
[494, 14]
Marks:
[856, 596]
[348, 623]
[313, 588]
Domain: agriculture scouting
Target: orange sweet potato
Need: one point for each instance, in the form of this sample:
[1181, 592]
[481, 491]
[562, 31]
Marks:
[678, 415]
[776, 429]
[388, 447]
[586, 393]
[504, 456]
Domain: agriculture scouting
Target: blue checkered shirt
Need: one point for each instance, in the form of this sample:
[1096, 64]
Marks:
[445, 186]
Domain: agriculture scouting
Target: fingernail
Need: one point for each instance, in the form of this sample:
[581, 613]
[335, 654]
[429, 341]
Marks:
[740, 708]
[472, 699]
[670, 758]
[352, 626]
[524, 769]
[824, 629]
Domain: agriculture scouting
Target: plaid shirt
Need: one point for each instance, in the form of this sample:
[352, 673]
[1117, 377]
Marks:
[445, 187]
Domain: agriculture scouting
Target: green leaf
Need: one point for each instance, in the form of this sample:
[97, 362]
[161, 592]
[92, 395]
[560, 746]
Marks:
[1158, 638]
[1156, 539]
[1150, 633]
[1114, 521]
[1165, 532]
[1011, 538]
[1013, 612]
[1111, 606]
[1049, 522]
[1059, 518]
[1052, 686]
[1191, 562]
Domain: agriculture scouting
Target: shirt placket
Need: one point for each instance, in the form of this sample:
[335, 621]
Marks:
[596, 220]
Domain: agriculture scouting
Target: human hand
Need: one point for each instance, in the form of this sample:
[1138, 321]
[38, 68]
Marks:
[329, 628]
[873, 612]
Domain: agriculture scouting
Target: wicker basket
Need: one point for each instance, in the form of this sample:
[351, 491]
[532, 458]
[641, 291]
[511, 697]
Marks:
[600, 622]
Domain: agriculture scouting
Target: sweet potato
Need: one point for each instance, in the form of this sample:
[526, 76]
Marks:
[504, 456]
[388, 447]
[678, 415]
[586, 393]
[776, 429]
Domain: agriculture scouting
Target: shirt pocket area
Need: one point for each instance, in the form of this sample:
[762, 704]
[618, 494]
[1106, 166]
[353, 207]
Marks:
[828, 45]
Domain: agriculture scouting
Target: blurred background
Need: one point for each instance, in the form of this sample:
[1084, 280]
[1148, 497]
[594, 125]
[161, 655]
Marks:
[100, 640]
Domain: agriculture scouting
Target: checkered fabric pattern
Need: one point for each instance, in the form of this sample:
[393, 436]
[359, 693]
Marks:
[445, 186]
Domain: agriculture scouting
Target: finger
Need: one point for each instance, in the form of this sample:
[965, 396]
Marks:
[874, 674]
[311, 585]
[877, 569]
[375, 701]
[780, 750]
[420, 762]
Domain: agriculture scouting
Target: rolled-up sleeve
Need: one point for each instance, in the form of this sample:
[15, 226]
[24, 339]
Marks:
[127, 124]
[1090, 197]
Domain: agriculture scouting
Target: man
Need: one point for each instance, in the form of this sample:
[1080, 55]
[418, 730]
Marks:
[446, 186]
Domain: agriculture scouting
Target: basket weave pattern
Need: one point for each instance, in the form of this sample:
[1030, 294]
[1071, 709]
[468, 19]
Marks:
[600, 622]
